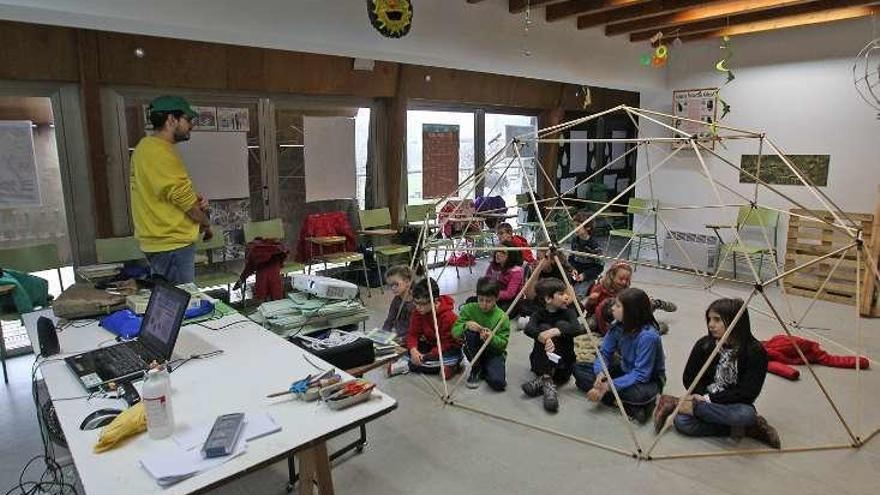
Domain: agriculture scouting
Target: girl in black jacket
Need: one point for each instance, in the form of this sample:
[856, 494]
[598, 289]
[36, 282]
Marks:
[722, 403]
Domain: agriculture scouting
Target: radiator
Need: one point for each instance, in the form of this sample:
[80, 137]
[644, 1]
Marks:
[701, 249]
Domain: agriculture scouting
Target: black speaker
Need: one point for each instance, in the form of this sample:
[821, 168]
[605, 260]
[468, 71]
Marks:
[47, 336]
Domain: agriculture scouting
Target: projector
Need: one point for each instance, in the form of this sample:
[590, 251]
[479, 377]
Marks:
[326, 287]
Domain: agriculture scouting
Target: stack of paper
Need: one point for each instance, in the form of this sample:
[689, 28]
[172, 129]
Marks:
[171, 464]
[183, 459]
[97, 272]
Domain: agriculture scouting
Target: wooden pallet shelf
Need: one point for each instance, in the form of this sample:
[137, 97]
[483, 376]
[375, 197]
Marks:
[810, 239]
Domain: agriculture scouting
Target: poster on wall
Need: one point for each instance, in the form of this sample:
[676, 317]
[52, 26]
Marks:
[440, 150]
[206, 119]
[695, 104]
[19, 182]
[775, 171]
[233, 119]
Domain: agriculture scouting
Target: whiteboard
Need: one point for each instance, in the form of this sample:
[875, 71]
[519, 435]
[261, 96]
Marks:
[19, 182]
[330, 159]
[217, 163]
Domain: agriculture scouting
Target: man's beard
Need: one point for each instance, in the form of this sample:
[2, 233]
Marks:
[179, 137]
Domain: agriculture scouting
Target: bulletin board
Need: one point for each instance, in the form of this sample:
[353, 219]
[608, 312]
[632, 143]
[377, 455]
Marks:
[440, 152]
[19, 183]
[330, 164]
[696, 104]
[217, 163]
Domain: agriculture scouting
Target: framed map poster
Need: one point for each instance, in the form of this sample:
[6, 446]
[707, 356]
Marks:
[695, 104]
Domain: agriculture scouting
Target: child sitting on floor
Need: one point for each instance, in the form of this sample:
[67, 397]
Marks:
[399, 278]
[553, 327]
[505, 234]
[421, 340]
[723, 401]
[506, 268]
[602, 294]
[641, 372]
[586, 269]
[475, 324]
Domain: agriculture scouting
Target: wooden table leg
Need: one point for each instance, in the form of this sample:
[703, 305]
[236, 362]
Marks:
[314, 469]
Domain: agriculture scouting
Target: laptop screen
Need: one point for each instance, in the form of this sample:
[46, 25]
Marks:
[162, 319]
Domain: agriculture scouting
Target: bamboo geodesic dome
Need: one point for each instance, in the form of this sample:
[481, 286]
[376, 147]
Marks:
[702, 146]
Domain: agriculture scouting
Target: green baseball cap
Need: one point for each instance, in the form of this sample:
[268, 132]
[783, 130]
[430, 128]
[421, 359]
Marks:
[170, 104]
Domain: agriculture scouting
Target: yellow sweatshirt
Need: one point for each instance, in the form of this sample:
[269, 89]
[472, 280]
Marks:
[161, 194]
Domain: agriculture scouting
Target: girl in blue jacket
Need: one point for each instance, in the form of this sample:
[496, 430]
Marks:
[641, 371]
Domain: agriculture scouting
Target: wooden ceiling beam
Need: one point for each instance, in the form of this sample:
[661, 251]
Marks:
[805, 19]
[636, 11]
[569, 8]
[517, 6]
[807, 13]
[709, 11]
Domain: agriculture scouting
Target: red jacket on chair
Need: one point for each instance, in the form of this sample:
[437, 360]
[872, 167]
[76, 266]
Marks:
[781, 353]
[324, 225]
[265, 257]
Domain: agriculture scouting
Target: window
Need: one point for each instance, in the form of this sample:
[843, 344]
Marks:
[361, 143]
[500, 130]
[443, 122]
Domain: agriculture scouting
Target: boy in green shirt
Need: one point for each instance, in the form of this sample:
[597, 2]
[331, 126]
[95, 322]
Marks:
[474, 325]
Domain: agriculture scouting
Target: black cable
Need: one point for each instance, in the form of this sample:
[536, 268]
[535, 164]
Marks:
[52, 478]
[177, 363]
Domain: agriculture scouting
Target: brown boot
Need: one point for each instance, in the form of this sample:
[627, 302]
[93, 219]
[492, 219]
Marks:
[764, 433]
[665, 405]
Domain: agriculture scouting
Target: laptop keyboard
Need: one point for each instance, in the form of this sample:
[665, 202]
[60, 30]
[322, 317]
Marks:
[119, 360]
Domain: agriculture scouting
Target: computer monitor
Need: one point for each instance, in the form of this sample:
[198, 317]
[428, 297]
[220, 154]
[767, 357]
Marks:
[163, 317]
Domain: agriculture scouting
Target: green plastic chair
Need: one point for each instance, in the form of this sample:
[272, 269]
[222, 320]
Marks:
[118, 250]
[215, 272]
[268, 229]
[271, 229]
[380, 218]
[751, 218]
[642, 207]
[415, 217]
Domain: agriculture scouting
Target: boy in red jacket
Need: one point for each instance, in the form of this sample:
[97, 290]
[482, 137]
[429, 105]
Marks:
[421, 340]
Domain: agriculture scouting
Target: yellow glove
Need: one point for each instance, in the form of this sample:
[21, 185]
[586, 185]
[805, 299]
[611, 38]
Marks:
[131, 422]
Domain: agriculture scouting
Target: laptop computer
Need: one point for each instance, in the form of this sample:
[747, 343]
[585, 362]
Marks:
[129, 360]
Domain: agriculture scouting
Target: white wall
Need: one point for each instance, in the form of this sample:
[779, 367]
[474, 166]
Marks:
[446, 33]
[794, 84]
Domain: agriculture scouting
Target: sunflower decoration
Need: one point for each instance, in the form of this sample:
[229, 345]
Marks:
[392, 18]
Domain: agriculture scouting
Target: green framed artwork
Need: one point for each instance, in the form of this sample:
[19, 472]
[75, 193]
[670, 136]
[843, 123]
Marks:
[774, 171]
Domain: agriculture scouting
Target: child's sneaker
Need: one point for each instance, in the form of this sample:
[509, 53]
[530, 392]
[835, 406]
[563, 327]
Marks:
[664, 327]
[665, 405]
[534, 387]
[521, 322]
[449, 371]
[665, 306]
[764, 433]
[551, 401]
[399, 367]
[473, 380]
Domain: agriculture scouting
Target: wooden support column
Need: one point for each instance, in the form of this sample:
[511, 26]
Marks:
[548, 152]
[869, 282]
[89, 75]
[396, 153]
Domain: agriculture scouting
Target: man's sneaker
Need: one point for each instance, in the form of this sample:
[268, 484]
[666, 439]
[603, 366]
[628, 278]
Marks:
[764, 433]
[551, 401]
[473, 380]
[665, 405]
[534, 387]
[665, 306]
[664, 327]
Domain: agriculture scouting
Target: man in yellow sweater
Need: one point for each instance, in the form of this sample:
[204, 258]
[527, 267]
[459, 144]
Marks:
[166, 211]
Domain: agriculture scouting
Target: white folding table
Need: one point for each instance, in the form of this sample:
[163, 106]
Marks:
[254, 363]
